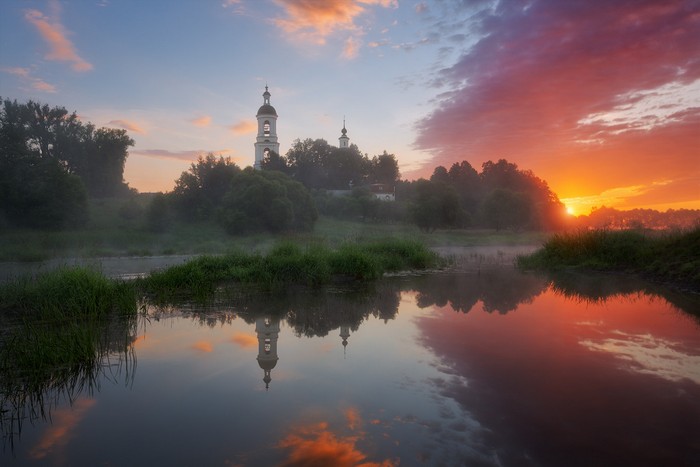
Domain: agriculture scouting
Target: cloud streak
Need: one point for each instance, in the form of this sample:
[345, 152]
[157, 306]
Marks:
[179, 155]
[127, 125]
[569, 89]
[55, 35]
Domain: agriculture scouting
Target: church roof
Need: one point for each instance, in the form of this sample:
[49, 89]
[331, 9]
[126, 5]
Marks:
[266, 109]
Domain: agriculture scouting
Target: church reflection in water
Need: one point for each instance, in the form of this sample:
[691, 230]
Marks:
[268, 331]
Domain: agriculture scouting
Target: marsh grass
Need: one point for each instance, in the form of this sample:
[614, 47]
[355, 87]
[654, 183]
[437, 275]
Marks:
[669, 256]
[287, 263]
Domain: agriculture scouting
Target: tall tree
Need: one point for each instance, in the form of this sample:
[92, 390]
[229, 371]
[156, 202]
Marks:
[199, 190]
[385, 169]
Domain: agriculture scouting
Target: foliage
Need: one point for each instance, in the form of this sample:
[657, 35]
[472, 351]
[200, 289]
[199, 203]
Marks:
[158, 215]
[435, 205]
[320, 166]
[38, 193]
[506, 209]
[42, 132]
[199, 191]
[502, 196]
[672, 256]
[266, 201]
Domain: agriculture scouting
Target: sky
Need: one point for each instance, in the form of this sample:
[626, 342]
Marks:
[601, 99]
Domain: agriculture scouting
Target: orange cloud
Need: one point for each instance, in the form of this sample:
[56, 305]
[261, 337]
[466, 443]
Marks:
[244, 340]
[244, 127]
[60, 47]
[127, 125]
[314, 20]
[202, 121]
[316, 445]
[203, 346]
[64, 421]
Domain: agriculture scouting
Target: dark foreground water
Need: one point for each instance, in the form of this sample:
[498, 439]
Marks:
[492, 369]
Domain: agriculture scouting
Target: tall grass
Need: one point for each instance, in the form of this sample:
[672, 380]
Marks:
[673, 256]
[290, 263]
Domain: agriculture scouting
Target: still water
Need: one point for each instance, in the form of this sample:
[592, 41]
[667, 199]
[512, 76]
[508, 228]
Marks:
[496, 368]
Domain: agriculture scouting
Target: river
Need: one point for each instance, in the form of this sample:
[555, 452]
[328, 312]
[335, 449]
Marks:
[486, 367]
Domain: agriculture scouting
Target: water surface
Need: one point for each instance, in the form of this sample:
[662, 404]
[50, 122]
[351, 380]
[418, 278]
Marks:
[495, 368]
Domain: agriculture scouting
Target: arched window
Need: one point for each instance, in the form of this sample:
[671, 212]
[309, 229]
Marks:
[266, 153]
[266, 128]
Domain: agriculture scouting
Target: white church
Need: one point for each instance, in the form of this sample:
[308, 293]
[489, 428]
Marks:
[266, 141]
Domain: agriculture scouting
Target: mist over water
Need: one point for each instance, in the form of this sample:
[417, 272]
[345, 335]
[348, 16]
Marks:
[487, 367]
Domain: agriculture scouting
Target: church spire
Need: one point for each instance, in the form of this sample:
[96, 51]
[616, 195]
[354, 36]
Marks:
[344, 140]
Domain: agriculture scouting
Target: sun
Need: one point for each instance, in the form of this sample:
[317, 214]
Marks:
[570, 211]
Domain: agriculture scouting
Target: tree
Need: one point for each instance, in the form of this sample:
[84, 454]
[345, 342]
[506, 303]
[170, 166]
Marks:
[266, 201]
[273, 161]
[506, 209]
[158, 216]
[96, 156]
[385, 169]
[200, 190]
[307, 162]
[436, 205]
[38, 193]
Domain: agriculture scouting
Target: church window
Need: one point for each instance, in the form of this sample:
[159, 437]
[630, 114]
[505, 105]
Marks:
[266, 153]
[268, 346]
[266, 128]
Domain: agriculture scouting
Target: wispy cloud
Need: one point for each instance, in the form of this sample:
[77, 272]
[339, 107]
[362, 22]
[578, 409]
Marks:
[235, 5]
[56, 36]
[351, 48]
[25, 74]
[179, 155]
[127, 125]
[203, 121]
[243, 127]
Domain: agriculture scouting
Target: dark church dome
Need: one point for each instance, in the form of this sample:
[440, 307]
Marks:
[266, 109]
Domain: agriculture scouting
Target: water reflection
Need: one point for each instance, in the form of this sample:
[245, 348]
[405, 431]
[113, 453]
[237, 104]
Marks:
[489, 368]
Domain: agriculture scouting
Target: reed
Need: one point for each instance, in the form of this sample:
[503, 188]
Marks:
[670, 256]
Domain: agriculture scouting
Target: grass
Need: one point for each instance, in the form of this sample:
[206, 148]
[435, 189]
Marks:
[290, 263]
[669, 257]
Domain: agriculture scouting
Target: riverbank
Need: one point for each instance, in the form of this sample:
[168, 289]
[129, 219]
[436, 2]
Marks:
[672, 258]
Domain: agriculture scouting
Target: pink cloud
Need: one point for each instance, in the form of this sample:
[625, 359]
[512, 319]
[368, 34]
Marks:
[53, 32]
[525, 90]
[244, 127]
[127, 125]
[25, 75]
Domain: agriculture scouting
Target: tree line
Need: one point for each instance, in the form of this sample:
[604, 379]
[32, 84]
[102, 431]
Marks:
[50, 162]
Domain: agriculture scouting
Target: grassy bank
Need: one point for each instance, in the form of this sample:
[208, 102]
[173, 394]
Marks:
[668, 257]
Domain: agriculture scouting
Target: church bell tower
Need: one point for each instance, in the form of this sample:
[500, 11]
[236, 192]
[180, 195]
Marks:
[266, 140]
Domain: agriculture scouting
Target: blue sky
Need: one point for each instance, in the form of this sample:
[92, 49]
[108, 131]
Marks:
[589, 96]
